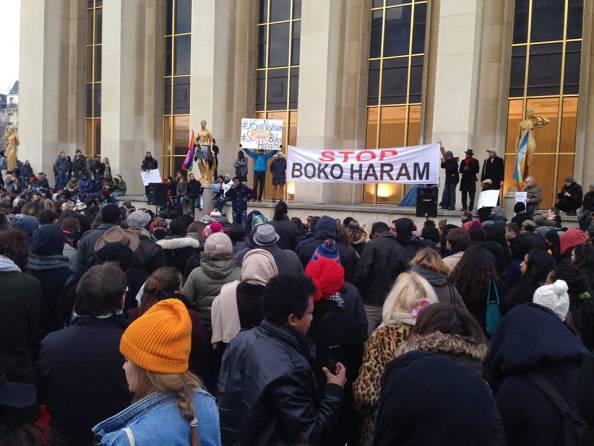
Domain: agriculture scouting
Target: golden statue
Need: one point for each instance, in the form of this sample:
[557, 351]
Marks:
[530, 124]
[204, 154]
[12, 141]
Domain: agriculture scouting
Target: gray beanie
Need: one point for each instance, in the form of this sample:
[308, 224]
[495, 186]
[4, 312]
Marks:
[218, 244]
[138, 219]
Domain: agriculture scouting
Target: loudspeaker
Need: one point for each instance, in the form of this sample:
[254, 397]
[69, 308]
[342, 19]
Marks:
[157, 194]
[427, 201]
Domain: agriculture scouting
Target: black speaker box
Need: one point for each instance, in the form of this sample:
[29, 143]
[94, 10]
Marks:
[427, 201]
[157, 194]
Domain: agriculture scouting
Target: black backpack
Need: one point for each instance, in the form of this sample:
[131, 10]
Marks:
[575, 430]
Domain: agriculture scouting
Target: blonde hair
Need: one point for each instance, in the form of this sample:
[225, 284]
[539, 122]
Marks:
[409, 289]
[182, 384]
[430, 259]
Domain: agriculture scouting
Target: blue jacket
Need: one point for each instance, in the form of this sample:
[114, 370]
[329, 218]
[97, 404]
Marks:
[260, 159]
[156, 420]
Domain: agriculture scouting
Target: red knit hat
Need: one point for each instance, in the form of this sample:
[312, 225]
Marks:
[570, 239]
[327, 275]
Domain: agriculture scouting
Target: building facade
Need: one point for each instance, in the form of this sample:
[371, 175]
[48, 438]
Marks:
[118, 78]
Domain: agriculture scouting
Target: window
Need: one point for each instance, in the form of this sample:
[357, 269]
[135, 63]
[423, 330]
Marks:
[93, 47]
[395, 83]
[545, 75]
[176, 91]
[277, 75]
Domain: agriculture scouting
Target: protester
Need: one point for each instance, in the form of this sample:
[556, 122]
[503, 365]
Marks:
[47, 264]
[21, 302]
[520, 213]
[492, 173]
[80, 376]
[382, 261]
[267, 393]
[554, 297]
[475, 277]
[278, 169]
[110, 217]
[149, 254]
[71, 229]
[194, 193]
[218, 266]
[338, 337]
[260, 158]
[532, 355]
[569, 240]
[534, 195]
[462, 409]
[265, 237]
[287, 230]
[408, 296]
[569, 197]
[79, 163]
[148, 164]
[170, 403]
[429, 265]
[457, 241]
[239, 195]
[178, 247]
[469, 167]
[241, 166]
[326, 229]
[452, 177]
[581, 307]
[62, 167]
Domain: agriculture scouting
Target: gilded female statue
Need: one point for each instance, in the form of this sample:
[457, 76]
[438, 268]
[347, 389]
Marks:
[12, 141]
[530, 124]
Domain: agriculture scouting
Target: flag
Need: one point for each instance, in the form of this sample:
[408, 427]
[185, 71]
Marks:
[521, 160]
[187, 165]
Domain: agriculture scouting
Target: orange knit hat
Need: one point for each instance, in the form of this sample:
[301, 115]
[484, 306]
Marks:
[160, 340]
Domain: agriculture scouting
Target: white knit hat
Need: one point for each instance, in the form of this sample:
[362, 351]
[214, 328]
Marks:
[217, 244]
[554, 297]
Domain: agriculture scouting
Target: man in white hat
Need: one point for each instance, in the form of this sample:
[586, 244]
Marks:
[492, 173]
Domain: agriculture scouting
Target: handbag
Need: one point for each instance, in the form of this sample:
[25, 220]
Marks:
[493, 314]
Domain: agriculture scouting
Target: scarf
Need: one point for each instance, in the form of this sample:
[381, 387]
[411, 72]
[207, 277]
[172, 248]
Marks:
[47, 263]
[467, 161]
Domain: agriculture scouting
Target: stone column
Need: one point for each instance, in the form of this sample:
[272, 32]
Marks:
[332, 86]
[222, 84]
[584, 159]
[131, 90]
[51, 80]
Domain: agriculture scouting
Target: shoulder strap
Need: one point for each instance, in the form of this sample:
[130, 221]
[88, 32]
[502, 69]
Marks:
[549, 391]
[130, 436]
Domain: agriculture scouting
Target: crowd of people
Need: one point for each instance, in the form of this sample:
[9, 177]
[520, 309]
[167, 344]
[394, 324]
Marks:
[119, 326]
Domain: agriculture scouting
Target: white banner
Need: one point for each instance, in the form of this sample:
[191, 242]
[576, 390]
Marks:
[488, 199]
[406, 165]
[261, 134]
[152, 176]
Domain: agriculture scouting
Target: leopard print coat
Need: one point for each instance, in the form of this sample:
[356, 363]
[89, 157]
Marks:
[379, 350]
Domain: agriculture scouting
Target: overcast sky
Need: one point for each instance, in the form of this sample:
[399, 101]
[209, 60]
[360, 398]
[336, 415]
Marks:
[9, 42]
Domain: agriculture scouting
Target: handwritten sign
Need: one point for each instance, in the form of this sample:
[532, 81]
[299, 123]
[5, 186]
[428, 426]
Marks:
[522, 197]
[152, 176]
[488, 199]
[261, 134]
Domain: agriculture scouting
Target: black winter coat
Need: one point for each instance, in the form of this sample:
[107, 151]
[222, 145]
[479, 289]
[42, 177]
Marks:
[80, 376]
[532, 338]
[278, 168]
[288, 233]
[588, 203]
[20, 308]
[382, 261]
[149, 164]
[451, 171]
[149, 255]
[339, 338]
[267, 391]
[493, 170]
[568, 204]
[468, 181]
[461, 412]
[194, 189]
[178, 250]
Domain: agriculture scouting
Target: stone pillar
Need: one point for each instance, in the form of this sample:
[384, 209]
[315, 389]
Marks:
[584, 159]
[131, 88]
[51, 80]
[222, 84]
[332, 86]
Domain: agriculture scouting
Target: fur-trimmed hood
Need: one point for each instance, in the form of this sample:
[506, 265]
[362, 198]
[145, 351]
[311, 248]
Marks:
[439, 342]
[178, 243]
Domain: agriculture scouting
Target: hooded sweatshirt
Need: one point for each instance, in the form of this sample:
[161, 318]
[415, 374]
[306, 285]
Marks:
[445, 290]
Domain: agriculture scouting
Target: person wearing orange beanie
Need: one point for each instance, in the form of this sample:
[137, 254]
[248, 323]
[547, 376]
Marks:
[170, 405]
[338, 335]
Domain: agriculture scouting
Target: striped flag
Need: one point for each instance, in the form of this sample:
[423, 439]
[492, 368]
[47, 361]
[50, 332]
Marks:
[521, 160]
[187, 165]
